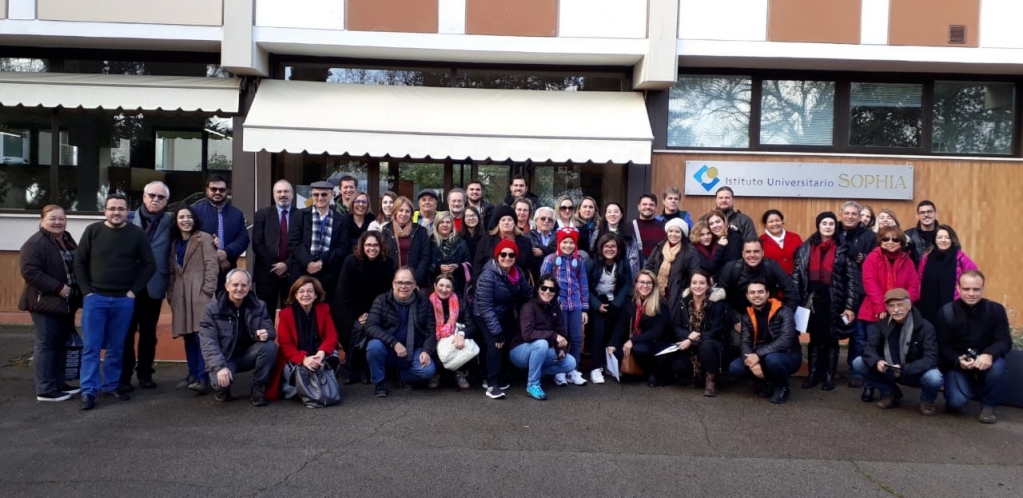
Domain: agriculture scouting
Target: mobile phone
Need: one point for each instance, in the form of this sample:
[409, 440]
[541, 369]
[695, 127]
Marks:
[846, 320]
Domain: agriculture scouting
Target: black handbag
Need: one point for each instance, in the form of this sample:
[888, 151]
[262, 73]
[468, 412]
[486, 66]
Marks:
[46, 303]
[317, 388]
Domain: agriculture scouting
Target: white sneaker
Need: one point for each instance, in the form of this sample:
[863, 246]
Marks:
[576, 378]
[597, 376]
[559, 379]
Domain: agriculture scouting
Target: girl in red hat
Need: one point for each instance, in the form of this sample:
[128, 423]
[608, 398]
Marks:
[567, 267]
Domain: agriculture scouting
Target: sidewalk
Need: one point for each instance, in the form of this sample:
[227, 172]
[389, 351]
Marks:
[167, 348]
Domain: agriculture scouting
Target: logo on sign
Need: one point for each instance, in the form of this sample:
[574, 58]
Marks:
[708, 177]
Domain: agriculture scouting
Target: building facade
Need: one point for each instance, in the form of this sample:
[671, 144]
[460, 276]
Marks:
[607, 98]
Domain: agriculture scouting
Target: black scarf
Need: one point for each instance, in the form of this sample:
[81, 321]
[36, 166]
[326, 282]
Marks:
[937, 286]
[150, 221]
[305, 327]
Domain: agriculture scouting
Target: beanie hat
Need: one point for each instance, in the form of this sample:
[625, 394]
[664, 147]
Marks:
[502, 211]
[678, 222]
[506, 244]
[568, 233]
[823, 216]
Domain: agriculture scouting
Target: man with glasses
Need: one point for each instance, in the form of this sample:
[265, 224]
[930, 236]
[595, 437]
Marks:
[901, 349]
[921, 237]
[224, 222]
[317, 240]
[456, 206]
[154, 220]
[474, 193]
[401, 335]
[270, 229]
[649, 230]
[113, 264]
[544, 239]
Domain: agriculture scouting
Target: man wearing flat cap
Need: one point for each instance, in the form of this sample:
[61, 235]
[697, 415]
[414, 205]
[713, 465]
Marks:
[901, 349]
[427, 209]
[316, 240]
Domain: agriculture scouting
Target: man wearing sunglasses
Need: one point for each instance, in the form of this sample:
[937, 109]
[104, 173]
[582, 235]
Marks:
[316, 241]
[543, 238]
[153, 219]
[225, 223]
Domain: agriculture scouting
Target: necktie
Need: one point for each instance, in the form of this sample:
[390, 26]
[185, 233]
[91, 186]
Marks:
[282, 247]
[220, 228]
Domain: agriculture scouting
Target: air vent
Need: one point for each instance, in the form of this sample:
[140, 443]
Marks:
[957, 34]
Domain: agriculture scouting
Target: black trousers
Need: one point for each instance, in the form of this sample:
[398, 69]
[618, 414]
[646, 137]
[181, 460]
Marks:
[602, 326]
[143, 322]
[273, 292]
[50, 353]
[710, 353]
[645, 354]
[495, 360]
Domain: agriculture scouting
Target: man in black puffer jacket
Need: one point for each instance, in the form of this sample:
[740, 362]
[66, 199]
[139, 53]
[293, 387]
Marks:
[770, 344]
[736, 276]
[401, 331]
[859, 240]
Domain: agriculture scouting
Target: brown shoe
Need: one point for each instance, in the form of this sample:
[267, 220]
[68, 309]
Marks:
[987, 415]
[710, 387]
[927, 409]
[890, 401]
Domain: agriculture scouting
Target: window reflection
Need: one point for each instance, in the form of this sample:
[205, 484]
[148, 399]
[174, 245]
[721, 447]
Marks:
[709, 111]
[885, 114]
[797, 112]
[973, 118]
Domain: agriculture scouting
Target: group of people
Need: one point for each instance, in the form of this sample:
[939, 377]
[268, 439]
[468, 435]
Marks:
[675, 297]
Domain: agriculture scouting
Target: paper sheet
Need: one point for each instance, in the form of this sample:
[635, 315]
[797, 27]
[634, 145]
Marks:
[802, 319]
[669, 350]
[612, 366]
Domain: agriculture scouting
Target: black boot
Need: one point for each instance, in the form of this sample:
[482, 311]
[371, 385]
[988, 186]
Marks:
[829, 374]
[258, 396]
[813, 353]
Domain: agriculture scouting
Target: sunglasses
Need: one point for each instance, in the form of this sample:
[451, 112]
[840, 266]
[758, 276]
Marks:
[546, 219]
[321, 194]
[890, 239]
[545, 288]
[507, 255]
[566, 208]
[159, 197]
[217, 190]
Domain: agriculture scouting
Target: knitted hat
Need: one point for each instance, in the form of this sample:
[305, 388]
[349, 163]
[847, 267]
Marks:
[568, 233]
[823, 216]
[502, 211]
[506, 244]
[678, 222]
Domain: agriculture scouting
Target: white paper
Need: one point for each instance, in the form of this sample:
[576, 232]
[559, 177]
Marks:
[612, 366]
[669, 350]
[802, 319]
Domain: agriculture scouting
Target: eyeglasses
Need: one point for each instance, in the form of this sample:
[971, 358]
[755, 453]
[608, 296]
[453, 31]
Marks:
[217, 190]
[566, 208]
[546, 219]
[360, 201]
[546, 288]
[507, 255]
[116, 209]
[159, 197]
[404, 283]
[890, 239]
[929, 211]
[644, 283]
[370, 245]
[321, 194]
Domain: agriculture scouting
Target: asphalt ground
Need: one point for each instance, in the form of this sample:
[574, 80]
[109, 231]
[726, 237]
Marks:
[609, 440]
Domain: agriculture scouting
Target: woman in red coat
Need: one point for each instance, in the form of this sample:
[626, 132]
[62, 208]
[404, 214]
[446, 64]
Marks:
[305, 334]
[779, 244]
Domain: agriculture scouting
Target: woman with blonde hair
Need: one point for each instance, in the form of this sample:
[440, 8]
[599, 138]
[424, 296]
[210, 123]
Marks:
[408, 243]
[642, 327]
[448, 251]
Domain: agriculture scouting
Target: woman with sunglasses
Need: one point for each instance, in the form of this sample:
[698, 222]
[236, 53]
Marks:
[642, 329]
[501, 289]
[541, 346]
[361, 218]
[939, 269]
[386, 210]
[566, 218]
[829, 285]
[610, 286]
[408, 243]
[448, 251]
[887, 267]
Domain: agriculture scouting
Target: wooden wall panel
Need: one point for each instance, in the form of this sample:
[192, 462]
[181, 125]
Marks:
[515, 18]
[403, 16]
[832, 21]
[926, 22]
[974, 197]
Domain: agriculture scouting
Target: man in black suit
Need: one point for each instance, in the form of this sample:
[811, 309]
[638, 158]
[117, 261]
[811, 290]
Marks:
[317, 240]
[270, 244]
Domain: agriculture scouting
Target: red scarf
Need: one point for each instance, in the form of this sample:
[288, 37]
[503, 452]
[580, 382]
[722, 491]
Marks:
[822, 261]
[640, 307]
[890, 260]
[707, 251]
[445, 329]
[513, 275]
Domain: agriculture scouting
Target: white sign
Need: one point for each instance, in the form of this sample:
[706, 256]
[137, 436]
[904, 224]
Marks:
[821, 180]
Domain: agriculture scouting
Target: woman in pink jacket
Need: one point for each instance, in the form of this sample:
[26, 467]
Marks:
[939, 270]
[887, 267]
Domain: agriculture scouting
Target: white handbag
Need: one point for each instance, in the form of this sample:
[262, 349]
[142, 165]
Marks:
[453, 358]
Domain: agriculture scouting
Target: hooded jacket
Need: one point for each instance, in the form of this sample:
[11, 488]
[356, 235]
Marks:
[540, 321]
[497, 298]
[716, 320]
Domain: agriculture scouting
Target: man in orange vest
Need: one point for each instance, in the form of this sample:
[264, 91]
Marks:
[770, 344]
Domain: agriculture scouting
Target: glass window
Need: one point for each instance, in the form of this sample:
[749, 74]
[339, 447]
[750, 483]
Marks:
[219, 143]
[24, 158]
[709, 111]
[496, 178]
[797, 112]
[885, 115]
[369, 76]
[539, 81]
[973, 118]
[23, 65]
[603, 182]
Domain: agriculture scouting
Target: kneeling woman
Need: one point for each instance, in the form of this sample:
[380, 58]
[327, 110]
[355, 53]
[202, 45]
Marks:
[449, 311]
[541, 346]
[641, 329]
[702, 322]
[306, 335]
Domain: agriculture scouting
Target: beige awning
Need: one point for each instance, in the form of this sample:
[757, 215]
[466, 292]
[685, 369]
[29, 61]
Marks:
[460, 123]
[117, 91]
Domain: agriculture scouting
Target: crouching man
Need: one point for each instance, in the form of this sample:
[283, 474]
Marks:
[236, 335]
[401, 331]
[901, 349]
[770, 344]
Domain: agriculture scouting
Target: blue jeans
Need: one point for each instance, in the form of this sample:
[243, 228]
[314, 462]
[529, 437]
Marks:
[381, 358]
[193, 354]
[856, 342]
[105, 323]
[960, 385]
[929, 383]
[259, 358]
[777, 367]
[540, 359]
[574, 329]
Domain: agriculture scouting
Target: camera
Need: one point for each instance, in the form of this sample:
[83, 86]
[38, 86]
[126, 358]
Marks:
[892, 368]
[971, 354]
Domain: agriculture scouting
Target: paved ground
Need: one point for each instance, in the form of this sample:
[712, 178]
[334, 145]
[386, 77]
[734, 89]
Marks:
[593, 441]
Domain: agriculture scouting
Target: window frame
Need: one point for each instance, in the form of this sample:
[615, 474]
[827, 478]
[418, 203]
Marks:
[843, 82]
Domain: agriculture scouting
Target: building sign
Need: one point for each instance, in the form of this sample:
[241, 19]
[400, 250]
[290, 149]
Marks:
[820, 180]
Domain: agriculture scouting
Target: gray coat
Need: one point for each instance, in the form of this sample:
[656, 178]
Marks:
[161, 244]
[218, 330]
